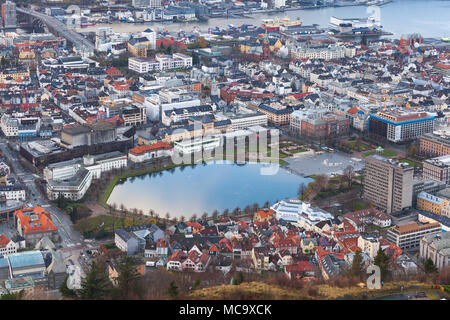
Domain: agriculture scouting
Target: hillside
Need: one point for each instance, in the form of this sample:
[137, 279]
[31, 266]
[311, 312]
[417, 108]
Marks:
[260, 290]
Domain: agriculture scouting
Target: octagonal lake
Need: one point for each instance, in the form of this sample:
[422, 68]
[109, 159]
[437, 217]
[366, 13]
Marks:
[188, 190]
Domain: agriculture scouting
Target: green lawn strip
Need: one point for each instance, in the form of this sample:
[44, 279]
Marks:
[387, 153]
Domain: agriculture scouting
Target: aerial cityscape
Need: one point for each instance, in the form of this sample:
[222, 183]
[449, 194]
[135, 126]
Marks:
[225, 150]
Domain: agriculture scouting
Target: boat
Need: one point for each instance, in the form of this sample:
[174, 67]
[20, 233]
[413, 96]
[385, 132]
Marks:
[274, 25]
[286, 22]
[446, 39]
[270, 25]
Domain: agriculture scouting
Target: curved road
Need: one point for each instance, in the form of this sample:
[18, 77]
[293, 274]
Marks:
[77, 39]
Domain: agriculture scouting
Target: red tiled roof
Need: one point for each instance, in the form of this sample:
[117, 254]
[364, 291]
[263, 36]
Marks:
[264, 214]
[147, 148]
[35, 220]
[4, 240]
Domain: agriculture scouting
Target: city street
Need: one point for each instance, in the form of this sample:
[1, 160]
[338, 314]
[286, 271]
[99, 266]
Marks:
[69, 236]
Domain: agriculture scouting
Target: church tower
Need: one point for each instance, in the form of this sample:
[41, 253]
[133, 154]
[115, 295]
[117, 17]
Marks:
[266, 47]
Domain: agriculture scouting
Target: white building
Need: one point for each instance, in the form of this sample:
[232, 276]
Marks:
[279, 3]
[324, 53]
[96, 164]
[368, 244]
[161, 62]
[297, 211]
[437, 248]
[180, 114]
[409, 235]
[73, 188]
[7, 246]
[245, 121]
[197, 145]
[148, 152]
[16, 192]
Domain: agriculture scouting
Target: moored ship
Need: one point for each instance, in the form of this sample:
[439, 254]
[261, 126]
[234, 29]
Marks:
[274, 25]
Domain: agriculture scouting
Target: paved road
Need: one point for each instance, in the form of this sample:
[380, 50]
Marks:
[70, 237]
[78, 40]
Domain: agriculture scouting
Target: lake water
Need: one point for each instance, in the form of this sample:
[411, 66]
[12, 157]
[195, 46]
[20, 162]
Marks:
[430, 18]
[204, 188]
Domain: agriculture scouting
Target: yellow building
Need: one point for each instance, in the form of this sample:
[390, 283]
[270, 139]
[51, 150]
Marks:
[139, 47]
[308, 245]
[431, 203]
[27, 54]
[14, 73]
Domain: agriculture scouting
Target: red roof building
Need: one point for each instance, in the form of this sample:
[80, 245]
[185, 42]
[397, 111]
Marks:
[35, 223]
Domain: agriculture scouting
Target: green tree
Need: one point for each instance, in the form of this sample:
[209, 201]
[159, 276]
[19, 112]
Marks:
[412, 151]
[195, 59]
[129, 279]
[357, 265]
[364, 40]
[173, 290]
[429, 266]
[382, 261]
[96, 285]
[13, 296]
[240, 278]
[74, 214]
[197, 283]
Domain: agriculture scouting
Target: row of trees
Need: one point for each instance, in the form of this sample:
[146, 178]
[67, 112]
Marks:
[98, 286]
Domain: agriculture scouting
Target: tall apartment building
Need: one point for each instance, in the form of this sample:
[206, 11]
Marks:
[408, 236]
[435, 144]
[388, 183]
[147, 3]
[437, 169]
[399, 126]
[9, 18]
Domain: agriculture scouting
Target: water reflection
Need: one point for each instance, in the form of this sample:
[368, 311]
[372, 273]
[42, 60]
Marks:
[197, 189]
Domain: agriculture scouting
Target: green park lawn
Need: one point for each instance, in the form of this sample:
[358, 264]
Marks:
[386, 152]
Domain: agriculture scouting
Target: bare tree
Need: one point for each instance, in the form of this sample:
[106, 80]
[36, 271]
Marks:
[182, 218]
[255, 207]
[266, 204]
[301, 189]
[193, 217]
[349, 173]
[215, 214]
[321, 182]
[204, 216]
[225, 212]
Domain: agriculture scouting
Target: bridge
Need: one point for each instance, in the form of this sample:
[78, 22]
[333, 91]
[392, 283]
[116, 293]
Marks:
[60, 29]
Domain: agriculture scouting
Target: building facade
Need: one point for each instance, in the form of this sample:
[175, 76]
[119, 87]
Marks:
[408, 236]
[388, 184]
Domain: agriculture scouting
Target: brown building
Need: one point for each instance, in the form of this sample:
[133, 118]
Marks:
[433, 145]
[388, 184]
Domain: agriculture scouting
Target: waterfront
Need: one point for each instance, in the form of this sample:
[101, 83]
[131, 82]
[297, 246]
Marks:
[188, 190]
[429, 18]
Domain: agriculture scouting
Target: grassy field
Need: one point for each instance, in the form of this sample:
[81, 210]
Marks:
[298, 150]
[261, 290]
[93, 223]
[386, 152]
[356, 145]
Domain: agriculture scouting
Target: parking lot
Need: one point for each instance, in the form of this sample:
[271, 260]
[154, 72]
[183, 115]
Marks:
[323, 163]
